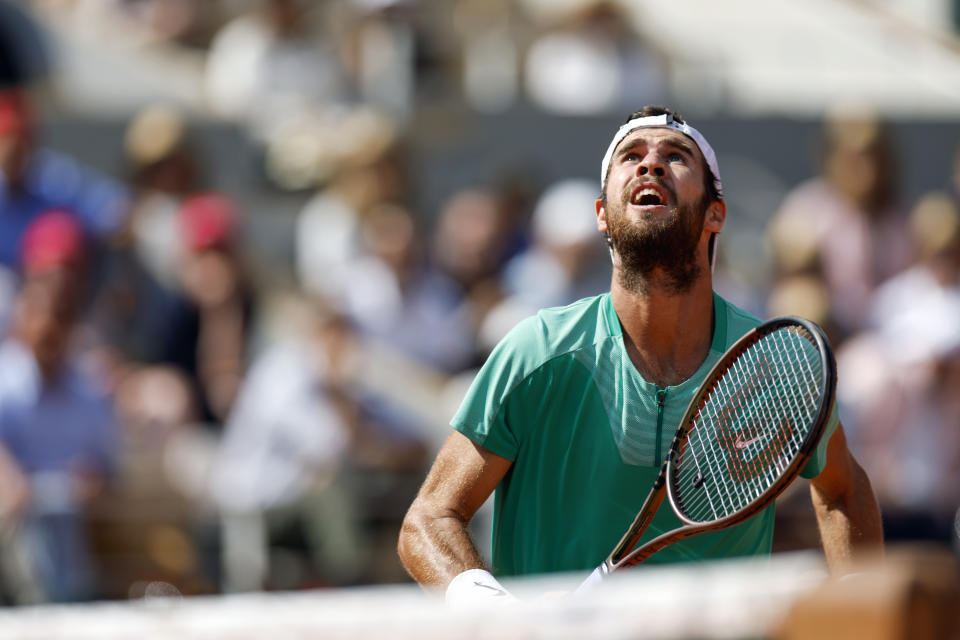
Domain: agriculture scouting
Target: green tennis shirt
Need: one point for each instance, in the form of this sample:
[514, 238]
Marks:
[560, 397]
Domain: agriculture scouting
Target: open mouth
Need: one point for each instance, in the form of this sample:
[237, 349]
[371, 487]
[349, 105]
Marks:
[648, 196]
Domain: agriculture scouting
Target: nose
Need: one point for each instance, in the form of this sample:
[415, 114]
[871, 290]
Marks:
[652, 163]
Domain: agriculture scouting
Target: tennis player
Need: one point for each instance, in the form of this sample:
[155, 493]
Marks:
[571, 416]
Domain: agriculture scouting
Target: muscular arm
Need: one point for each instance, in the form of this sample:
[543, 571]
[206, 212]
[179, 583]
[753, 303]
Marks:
[435, 544]
[846, 508]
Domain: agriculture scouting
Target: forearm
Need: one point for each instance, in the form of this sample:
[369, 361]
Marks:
[436, 547]
[435, 544]
[849, 521]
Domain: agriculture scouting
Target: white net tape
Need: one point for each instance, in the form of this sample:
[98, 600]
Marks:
[733, 599]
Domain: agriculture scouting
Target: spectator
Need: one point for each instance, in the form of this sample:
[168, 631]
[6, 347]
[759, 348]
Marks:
[215, 282]
[193, 342]
[302, 449]
[57, 433]
[902, 391]
[34, 180]
[845, 226]
[186, 374]
[156, 23]
[489, 34]
[401, 303]
[471, 238]
[476, 234]
[271, 65]
[926, 290]
[140, 316]
[590, 60]
[142, 334]
[163, 170]
[328, 236]
[385, 53]
[568, 259]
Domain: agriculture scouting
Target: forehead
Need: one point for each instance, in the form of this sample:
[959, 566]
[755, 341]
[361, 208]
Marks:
[660, 137]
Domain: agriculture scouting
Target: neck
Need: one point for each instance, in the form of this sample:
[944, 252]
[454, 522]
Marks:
[667, 333]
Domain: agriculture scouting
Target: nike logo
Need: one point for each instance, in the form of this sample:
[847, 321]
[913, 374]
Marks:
[740, 443]
[496, 592]
[766, 447]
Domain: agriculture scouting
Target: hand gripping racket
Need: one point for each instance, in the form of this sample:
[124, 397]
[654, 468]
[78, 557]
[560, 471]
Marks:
[748, 431]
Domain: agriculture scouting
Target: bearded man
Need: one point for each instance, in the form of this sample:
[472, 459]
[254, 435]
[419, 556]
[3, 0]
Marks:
[570, 418]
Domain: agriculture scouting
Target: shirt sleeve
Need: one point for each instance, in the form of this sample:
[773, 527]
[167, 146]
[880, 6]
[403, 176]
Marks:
[483, 415]
[819, 459]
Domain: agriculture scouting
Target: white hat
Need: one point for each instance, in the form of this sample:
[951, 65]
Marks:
[664, 120]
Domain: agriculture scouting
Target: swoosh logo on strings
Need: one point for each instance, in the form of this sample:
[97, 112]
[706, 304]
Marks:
[739, 443]
[738, 466]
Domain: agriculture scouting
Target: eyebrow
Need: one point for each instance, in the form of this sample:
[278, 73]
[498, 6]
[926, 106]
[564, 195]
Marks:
[678, 141]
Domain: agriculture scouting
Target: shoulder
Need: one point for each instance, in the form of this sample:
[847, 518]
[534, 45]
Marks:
[557, 331]
[520, 373]
[529, 350]
[740, 316]
[736, 321]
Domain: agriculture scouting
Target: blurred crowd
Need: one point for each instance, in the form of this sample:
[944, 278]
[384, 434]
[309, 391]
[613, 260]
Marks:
[174, 419]
[883, 278]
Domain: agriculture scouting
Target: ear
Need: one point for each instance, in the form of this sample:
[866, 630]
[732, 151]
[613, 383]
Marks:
[601, 216]
[715, 217]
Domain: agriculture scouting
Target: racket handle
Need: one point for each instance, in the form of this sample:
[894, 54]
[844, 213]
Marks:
[595, 578]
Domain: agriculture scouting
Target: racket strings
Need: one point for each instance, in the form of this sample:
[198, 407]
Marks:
[738, 404]
[730, 499]
[758, 474]
[750, 426]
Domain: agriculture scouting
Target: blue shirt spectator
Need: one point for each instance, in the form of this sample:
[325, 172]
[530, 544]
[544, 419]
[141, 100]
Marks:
[34, 180]
[52, 426]
[57, 431]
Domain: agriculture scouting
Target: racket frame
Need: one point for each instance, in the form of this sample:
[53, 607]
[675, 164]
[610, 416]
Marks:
[622, 556]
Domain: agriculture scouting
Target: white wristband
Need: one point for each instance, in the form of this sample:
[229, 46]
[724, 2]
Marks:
[476, 588]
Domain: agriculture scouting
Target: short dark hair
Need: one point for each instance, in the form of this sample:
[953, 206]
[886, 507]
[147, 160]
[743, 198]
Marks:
[709, 180]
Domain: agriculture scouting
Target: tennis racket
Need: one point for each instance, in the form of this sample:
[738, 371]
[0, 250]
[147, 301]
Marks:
[748, 431]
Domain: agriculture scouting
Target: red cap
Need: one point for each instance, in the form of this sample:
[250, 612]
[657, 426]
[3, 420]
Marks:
[53, 239]
[207, 221]
[15, 113]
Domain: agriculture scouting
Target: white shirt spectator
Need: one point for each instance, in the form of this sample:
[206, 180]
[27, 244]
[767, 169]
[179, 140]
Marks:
[282, 435]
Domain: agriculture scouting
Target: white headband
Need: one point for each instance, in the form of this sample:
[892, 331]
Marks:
[664, 120]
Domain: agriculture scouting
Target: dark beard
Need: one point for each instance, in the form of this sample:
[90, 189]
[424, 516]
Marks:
[667, 249]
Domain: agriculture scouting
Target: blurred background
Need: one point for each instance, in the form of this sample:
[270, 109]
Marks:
[253, 251]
